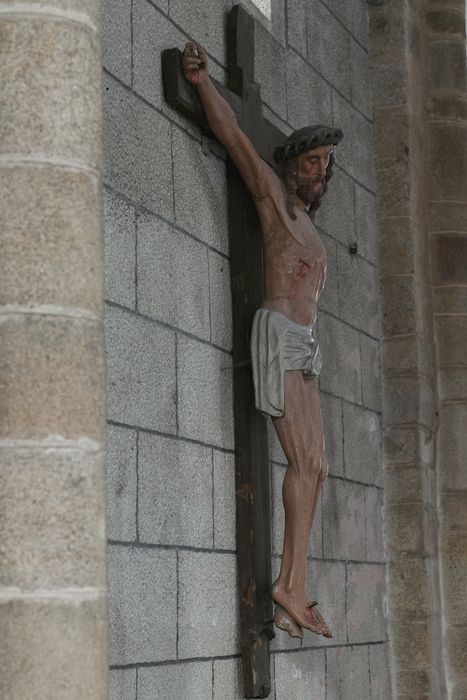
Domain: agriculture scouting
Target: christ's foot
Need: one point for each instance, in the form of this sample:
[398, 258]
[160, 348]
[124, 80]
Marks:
[304, 614]
[317, 620]
[285, 622]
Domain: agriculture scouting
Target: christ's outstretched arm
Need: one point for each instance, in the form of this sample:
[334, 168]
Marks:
[223, 123]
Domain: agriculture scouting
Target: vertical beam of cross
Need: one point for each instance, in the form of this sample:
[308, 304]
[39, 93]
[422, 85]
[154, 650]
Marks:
[251, 449]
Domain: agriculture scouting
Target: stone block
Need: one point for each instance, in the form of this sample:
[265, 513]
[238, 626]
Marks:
[336, 214]
[458, 690]
[308, 95]
[220, 300]
[448, 145]
[371, 372]
[452, 383]
[356, 153]
[451, 336]
[328, 300]
[116, 38]
[300, 675]
[348, 674]
[452, 444]
[228, 679]
[398, 245]
[331, 412]
[389, 80]
[172, 274]
[328, 46]
[122, 684]
[340, 347]
[297, 26]
[175, 492]
[142, 605]
[360, 79]
[51, 503]
[270, 70]
[374, 524]
[407, 483]
[407, 444]
[326, 584]
[365, 594]
[362, 444]
[407, 355]
[400, 191]
[207, 605]
[200, 191]
[446, 66]
[449, 300]
[389, 29]
[358, 292]
[64, 357]
[411, 644]
[416, 685]
[446, 22]
[184, 681]
[401, 305]
[456, 642]
[447, 216]
[206, 23]
[367, 229]
[140, 372]
[354, 14]
[152, 33]
[380, 679]
[50, 238]
[224, 500]
[137, 153]
[343, 520]
[120, 251]
[205, 404]
[66, 125]
[454, 563]
[88, 12]
[405, 525]
[409, 588]
[71, 632]
[394, 128]
[408, 400]
[315, 546]
[449, 255]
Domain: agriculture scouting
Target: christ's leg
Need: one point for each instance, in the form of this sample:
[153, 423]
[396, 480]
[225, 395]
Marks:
[311, 386]
[301, 436]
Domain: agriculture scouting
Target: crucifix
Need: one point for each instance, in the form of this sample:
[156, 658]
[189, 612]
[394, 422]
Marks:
[278, 267]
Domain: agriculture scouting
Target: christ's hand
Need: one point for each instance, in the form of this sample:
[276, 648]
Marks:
[195, 65]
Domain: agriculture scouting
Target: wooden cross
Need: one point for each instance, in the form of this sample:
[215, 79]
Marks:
[251, 449]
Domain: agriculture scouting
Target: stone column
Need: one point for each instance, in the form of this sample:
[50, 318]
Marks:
[447, 168]
[52, 411]
[398, 54]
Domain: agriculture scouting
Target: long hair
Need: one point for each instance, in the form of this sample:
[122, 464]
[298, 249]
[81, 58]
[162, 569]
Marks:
[288, 172]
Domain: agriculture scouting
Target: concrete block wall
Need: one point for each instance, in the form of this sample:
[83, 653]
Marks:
[171, 514]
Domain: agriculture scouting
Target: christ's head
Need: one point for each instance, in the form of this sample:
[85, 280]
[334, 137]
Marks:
[305, 163]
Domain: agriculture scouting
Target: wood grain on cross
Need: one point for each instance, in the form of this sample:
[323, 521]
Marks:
[251, 449]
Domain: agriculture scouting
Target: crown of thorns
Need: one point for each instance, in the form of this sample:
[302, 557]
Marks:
[306, 139]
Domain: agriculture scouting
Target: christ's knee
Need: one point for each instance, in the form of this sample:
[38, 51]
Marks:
[308, 471]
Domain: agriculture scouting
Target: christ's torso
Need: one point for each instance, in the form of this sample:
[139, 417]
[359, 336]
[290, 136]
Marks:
[294, 260]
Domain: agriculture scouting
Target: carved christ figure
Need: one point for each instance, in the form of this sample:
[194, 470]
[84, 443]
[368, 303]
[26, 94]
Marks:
[285, 354]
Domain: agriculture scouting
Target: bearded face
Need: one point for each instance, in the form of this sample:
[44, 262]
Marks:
[309, 189]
